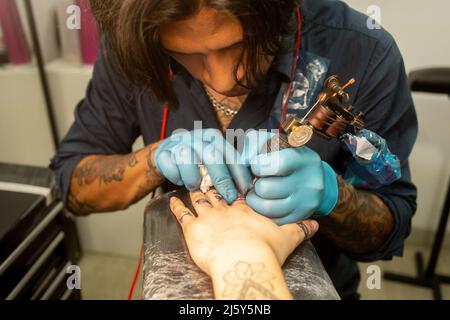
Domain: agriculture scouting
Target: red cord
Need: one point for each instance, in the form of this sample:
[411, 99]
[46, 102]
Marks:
[164, 122]
[293, 70]
[166, 113]
[162, 137]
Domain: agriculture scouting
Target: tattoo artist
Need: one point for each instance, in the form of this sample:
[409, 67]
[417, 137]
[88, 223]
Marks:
[168, 63]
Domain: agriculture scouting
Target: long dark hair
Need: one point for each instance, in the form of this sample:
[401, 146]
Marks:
[131, 30]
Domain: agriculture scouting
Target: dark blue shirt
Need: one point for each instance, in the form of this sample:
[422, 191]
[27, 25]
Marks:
[335, 40]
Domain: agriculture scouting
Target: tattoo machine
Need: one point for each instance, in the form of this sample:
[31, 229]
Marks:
[333, 117]
[372, 166]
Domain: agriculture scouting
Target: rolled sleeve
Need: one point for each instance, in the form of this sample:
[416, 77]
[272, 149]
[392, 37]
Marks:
[105, 123]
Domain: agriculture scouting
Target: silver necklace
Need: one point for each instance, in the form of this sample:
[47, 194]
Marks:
[227, 111]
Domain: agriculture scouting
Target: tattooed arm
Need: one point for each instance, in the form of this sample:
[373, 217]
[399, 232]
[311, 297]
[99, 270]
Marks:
[360, 223]
[109, 183]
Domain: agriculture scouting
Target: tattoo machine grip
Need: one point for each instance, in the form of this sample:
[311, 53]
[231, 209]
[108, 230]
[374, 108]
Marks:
[277, 143]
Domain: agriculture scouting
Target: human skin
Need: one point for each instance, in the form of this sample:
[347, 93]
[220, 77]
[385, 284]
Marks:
[239, 249]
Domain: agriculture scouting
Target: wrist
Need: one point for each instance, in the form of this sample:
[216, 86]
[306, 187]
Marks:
[151, 160]
[331, 193]
[249, 271]
[229, 253]
[342, 200]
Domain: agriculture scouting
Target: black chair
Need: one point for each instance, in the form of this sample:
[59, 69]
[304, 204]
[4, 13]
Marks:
[432, 81]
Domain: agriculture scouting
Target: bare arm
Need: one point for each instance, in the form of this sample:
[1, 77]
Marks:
[109, 183]
[360, 223]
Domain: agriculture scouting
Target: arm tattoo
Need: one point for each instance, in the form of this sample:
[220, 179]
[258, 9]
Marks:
[112, 169]
[360, 223]
[152, 177]
[151, 173]
[78, 206]
[104, 169]
[249, 281]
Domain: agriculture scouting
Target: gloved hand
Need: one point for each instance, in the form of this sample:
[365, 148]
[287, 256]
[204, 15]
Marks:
[294, 184]
[178, 158]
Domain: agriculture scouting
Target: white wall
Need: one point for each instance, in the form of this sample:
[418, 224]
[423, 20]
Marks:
[45, 20]
[421, 29]
[44, 17]
[25, 135]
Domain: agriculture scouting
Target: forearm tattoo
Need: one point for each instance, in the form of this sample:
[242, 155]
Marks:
[360, 223]
[249, 281]
[105, 170]
[78, 206]
[152, 178]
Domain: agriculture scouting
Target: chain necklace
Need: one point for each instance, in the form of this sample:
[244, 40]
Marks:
[227, 111]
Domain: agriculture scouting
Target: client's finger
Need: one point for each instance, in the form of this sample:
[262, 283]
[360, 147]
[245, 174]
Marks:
[241, 200]
[301, 231]
[216, 198]
[200, 202]
[181, 213]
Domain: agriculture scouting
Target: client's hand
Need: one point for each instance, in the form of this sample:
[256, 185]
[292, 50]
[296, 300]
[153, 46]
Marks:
[241, 250]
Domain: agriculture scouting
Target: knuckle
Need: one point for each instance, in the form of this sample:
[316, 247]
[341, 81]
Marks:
[222, 181]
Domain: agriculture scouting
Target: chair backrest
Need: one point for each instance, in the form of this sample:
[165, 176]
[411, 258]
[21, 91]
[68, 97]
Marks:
[433, 80]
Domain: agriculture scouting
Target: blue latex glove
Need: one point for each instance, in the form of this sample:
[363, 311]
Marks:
[178, 158]
[293, 184]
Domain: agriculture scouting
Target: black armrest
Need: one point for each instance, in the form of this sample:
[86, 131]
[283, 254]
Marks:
[435, 80]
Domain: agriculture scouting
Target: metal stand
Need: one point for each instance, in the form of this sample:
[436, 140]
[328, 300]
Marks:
[42, 74]
[428, 277]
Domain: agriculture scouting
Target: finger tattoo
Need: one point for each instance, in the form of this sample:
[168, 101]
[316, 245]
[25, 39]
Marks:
[203, 201]
[183, 215]
[218, 196]
[305, 230]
